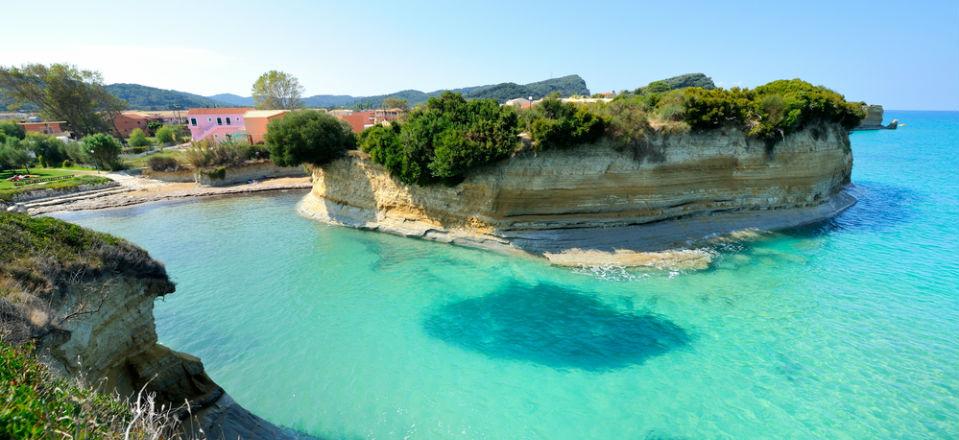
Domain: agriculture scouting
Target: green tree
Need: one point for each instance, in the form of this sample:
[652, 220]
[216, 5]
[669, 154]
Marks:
[104, 150]
[63, 92]
[153, 125]
[559, 124]
[14, 155]
[443, 140]
[167, 135]
[399, 103]
[12, 129]
[49, 151]
[138, 138]
[277, 90]
[308, 136]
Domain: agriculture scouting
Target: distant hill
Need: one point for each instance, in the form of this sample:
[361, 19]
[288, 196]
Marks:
[140, 97]
[565, 86]
[235, 100]
[681, 82]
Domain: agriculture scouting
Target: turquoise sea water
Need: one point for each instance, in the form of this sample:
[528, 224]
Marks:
[848, 329]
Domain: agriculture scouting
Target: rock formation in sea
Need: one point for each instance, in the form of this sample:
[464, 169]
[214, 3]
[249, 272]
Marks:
[85, 301]
[599, 204]
[873, 119]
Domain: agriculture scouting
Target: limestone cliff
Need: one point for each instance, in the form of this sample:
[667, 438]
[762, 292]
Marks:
[873, 119]
[85, 300]
[581, 205]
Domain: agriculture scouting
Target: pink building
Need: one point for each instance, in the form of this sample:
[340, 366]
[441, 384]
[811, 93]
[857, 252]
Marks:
[217, 124]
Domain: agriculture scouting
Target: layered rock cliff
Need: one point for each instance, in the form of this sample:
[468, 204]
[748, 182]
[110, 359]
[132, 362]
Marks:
[600, 203]
[85, 300]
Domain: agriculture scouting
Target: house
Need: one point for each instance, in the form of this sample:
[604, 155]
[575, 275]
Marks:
[256, 122]
[126, 122]
[359, 120]
[217, 124]
[518, 103]
[47, 127]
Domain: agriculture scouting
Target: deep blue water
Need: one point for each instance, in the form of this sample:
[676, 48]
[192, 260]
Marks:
[846, 329]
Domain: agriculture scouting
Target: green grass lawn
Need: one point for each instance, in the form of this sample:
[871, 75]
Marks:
[72, 179]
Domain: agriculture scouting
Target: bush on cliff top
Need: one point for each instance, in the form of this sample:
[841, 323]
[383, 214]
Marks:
[443, 140]
[446, 139]
[308, 136]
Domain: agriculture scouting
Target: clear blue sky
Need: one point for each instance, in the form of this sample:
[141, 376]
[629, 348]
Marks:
[904, 55]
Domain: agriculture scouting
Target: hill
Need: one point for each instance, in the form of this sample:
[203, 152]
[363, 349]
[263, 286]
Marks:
[566, 86]
[139, 97]
[231, 99]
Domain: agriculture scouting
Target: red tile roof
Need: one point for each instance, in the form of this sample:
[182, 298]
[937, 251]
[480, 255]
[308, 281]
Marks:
[217, 111]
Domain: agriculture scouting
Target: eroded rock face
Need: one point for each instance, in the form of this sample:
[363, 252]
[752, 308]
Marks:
[104, 333]
[602, 198]
[873, 119]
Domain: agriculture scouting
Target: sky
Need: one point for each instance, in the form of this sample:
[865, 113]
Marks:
[903, 55]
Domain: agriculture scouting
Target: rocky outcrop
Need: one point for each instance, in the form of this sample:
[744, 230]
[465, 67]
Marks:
[101, 330]
[873, 119]
[602, 203]
[228, 175]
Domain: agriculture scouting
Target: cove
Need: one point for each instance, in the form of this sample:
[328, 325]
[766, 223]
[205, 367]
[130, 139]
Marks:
[841, 329]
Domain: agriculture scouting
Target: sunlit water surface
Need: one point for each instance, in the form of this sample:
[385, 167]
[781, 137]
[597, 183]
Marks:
[848, 329]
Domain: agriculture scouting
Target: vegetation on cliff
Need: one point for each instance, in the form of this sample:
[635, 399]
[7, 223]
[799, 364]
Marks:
[450, 136]
[308, 137]
[34, 404]
[40, 257]
[444, 139]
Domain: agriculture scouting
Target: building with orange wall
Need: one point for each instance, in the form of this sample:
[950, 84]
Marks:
[48, 127]
[256, 122]
[126, 122]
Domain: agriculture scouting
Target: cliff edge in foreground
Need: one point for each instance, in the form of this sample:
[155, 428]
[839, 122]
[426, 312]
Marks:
[599, 204]
[84, 300]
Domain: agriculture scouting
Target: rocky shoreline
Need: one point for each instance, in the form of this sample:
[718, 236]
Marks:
[596, 204]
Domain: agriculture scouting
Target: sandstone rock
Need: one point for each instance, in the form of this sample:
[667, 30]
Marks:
[674, 191]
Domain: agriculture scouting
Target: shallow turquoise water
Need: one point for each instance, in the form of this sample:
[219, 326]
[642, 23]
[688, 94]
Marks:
[849, 329]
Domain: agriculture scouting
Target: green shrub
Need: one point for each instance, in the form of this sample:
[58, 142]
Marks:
[167, 135]
[382, 142]
[50, 151]
[204, 153]
[163, 163]
[14, 154]
[444, 139]
[138, 138]
[12, 129]
[556, 124]
[308, 136]
[104, 150]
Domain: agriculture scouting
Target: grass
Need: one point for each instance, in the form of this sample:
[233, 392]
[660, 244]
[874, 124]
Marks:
[8, 189]
[141, 162]
[35, 405]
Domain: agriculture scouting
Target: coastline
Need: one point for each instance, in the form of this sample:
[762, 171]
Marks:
[674, 244]
[154, 192]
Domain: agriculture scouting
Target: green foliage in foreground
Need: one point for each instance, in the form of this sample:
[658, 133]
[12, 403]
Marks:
[308, 136]
[444, 139]
[167, 135]
[35, 405]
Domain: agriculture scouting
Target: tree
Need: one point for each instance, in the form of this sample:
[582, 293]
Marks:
[14, 155]
[63, 92]
[308, 137]
[50, 151]
[104, 150]
[153, 125]
[12, 129]
[166, 135]
[399, 103]
[138, 138]
[277, 90]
